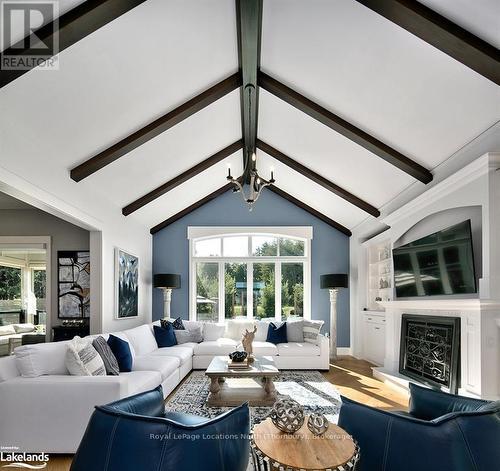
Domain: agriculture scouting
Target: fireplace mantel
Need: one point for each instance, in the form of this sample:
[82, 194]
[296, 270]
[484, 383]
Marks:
[434, 304]
[428, 304]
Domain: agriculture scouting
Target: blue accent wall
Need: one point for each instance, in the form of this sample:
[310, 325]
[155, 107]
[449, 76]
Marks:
[330, 251]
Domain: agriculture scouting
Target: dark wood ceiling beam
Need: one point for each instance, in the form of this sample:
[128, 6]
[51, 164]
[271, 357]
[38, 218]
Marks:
[317, 178]
[183, 177]
[191, 208]
[73, 26]
[310, 210]
[441, 33]
[155, 128]
[249, 29]
[345, 128]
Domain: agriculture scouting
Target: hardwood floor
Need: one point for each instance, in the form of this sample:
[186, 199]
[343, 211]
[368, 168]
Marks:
[352, 377]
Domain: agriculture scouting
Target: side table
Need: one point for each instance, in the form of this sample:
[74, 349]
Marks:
[276, 450]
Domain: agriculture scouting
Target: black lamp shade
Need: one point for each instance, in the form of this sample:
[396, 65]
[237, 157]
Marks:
[167, 280]
[336, 280]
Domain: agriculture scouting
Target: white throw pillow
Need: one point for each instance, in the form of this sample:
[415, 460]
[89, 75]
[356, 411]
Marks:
[236, 327]
[312, 330]
[42, 359]
[7, 330]
[262, 328]
[24, 328]
[82, 359]
[213, 331]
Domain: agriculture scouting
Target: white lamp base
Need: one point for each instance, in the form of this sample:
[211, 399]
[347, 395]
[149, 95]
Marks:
[167, 298]
[333, 323]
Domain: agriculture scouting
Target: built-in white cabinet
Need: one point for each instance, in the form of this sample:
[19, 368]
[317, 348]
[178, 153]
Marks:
[374, 337]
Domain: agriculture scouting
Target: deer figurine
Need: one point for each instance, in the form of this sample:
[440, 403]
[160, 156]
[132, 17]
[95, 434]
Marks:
[247, 341]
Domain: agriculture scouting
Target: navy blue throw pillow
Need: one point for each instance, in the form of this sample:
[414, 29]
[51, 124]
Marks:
[165, 336]
[276, 334]
[121, 350]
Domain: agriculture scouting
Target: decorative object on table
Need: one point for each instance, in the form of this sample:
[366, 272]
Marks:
[256, 183]
[335, 451]
[247, 342]
[73, 284]
[287, 415]
[333, 282]
[167, 282]
[127, 284]
[238, 356]
[317, 423]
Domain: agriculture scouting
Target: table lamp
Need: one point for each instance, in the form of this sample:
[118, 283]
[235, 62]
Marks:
[167, 282]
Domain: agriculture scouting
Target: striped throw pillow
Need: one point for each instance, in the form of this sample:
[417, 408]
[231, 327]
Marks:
[312, 330]
[82, 359]
[107, 355]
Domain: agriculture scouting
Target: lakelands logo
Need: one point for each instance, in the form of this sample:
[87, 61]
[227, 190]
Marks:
[24, 460]
[29, 34]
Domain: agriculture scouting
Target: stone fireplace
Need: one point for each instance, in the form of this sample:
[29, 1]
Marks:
[430, 350]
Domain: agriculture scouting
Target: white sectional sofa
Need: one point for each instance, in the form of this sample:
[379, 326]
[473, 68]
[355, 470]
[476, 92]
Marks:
[49, 411]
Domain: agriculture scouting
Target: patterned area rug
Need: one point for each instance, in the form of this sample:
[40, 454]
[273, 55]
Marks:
[309, 388]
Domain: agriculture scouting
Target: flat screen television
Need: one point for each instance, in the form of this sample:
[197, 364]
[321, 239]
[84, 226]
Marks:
[438, 264]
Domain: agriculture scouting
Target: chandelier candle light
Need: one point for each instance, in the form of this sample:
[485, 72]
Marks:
[256, 183]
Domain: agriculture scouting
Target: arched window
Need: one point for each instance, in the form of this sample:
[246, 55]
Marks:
[249, 272]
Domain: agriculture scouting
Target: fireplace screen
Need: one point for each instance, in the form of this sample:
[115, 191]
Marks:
[430, 350]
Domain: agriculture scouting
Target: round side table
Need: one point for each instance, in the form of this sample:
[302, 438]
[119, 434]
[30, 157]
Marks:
[302, 451]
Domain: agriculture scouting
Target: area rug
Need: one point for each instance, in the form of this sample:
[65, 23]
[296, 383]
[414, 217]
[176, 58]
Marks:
[309, 388]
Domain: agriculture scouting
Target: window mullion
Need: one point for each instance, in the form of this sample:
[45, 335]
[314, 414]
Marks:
[222, 295]
[277, 290]
[250, 290]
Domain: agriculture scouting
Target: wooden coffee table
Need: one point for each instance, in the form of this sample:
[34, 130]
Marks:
[273, 449]
[233, 387]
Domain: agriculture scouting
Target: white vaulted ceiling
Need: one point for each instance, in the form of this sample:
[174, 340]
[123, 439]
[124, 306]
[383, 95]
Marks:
[152, 59]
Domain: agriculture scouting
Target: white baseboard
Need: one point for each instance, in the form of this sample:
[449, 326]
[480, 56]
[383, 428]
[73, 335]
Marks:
[344, 351]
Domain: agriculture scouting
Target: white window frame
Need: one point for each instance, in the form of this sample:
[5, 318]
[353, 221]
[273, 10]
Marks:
[304, 233]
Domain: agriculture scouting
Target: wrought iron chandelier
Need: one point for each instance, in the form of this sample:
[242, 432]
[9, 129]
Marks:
[255, 183]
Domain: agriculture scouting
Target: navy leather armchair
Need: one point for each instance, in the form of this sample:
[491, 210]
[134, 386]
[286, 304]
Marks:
[136, 434]
[441, 432]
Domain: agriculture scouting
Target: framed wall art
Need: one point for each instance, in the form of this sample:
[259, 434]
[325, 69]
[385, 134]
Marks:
[73, 284]
[127, 284]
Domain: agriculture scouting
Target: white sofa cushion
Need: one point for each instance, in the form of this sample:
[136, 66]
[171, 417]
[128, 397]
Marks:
[82, 359]
[7, 330]
[24, 328]
[264, 348]
[213, 331]
[262, 328]
[298, 349]
[236, 327]
[295, 330]
[8, 368]
[183, 352]
[42, 359]
[162, 364]
[142, 339]
[220, 346]
[140, 381]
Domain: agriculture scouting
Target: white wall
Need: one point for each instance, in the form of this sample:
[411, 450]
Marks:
[64, 236]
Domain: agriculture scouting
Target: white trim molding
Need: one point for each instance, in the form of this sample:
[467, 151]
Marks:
[302, 232]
